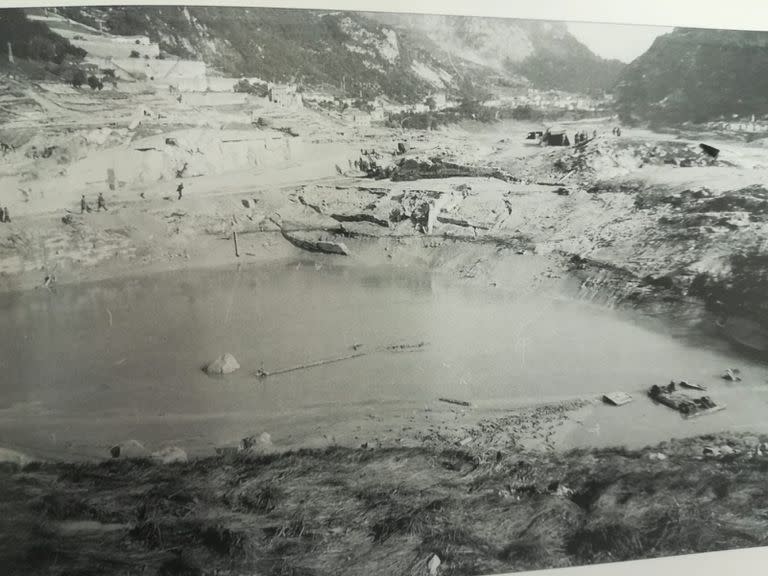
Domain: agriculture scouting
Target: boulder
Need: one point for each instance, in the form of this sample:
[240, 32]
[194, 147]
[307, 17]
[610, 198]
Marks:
[224, 364]
[170, 455]
[261, 444]
[8, 456]
[433, 564]
[129, 449]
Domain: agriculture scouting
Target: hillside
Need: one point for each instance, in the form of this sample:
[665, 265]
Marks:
[405, 57]
[33, 40]
[342, 50]
[697, 75]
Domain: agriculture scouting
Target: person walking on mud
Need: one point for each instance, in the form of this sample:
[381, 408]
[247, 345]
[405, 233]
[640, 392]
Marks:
[6, 215]
[83, 204]
[180, 190]
[100, 202]
[2, 215]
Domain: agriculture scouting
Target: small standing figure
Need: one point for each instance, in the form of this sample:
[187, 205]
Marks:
[83, 204]
[2, 214]
[180, 189]
[594, 133]
[618, 131]
[100, 202]
[6, 215]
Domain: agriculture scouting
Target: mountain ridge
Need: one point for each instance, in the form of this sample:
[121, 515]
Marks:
[405, 57]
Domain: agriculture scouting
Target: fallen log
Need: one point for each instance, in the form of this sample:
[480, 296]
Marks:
[261, 373]
[461, 222]
[362, 217]
[314, 207]
[453, 401]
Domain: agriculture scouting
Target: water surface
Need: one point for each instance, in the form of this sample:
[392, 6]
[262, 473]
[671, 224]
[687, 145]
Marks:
[89, 365]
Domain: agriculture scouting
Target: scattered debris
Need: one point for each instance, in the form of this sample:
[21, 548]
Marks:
[452, 401]
[731, 374]
[709, 150]
[405, 347]
[657, 456]
[686, 405]
[691, 385]
[562, 491]
[617, 398]
[224, 364]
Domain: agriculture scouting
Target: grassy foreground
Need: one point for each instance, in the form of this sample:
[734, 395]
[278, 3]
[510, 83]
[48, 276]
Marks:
[383, 511]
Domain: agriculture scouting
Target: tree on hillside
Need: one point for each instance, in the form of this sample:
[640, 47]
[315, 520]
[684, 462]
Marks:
[95, 83]
[79, 78]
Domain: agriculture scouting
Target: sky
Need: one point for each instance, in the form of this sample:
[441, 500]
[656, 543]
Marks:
[620, 41]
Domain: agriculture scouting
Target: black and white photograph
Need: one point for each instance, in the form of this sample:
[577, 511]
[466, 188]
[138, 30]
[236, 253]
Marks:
[318, 292]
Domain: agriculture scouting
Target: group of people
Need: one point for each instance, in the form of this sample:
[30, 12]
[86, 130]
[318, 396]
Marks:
[100, 204]
[583, 136]
[5, 216]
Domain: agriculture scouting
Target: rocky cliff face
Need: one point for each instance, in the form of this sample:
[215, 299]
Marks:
[544, 54]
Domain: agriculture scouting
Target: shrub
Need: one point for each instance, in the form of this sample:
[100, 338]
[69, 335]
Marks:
[134, 54]
[95, 82]
[79, 78]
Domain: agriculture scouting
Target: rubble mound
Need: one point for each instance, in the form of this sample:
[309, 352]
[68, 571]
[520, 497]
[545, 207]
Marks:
[609, 155]
[408, 169]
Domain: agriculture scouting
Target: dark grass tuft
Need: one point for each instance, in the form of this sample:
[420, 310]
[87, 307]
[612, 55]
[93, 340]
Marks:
[408, 519]
[262, 499]
[605, 541]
